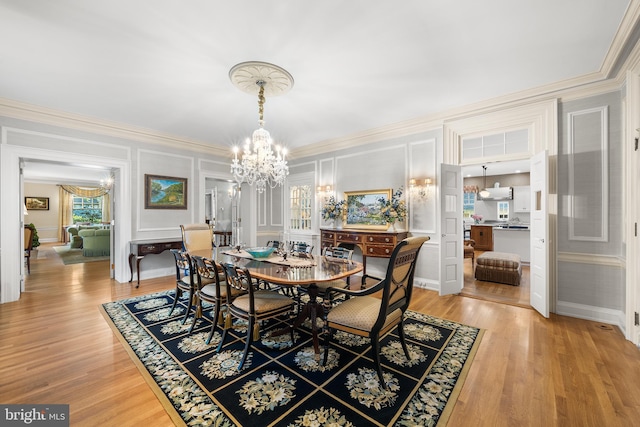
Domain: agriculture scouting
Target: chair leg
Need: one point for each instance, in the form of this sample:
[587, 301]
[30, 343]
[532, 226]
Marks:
[224, 336]
[191, 304]
[214, 323]
[327, 341]
[375, 349]
[196, 316]
[177, 296]
[402, 340]
[248, 343]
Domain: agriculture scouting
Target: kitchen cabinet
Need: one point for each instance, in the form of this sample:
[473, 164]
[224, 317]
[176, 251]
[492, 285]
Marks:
[522, 199]
[513, 241]
[483, 235]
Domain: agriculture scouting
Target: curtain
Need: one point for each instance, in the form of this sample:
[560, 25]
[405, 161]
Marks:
[68, 191]
[471, 189]
[85, 191]
[106, 208]
[65, 213]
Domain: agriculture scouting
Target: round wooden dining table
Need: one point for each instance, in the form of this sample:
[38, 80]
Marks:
[294, 272]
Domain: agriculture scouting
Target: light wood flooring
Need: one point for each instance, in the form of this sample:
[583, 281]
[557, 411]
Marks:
[55, 347]
[496, 292]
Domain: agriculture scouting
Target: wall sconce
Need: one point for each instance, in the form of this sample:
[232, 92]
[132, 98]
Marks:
[323, 189]
[420, 189]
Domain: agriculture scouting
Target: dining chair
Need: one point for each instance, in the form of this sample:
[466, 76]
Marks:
[333, 254]
[253, 305]
[469, 251]
[274, 244]
[184, 280]
[301, 249]
[375, 316]
[197, 237]
[28, 246]
[210, 287]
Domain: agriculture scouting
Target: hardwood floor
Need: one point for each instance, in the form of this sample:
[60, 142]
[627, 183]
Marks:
[529, 371]
[496, 292]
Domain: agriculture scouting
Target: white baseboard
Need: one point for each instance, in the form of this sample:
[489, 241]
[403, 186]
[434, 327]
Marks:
[596, 314]
[432, 285]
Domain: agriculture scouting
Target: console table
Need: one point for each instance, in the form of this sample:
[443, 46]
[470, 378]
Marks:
[139, 248]
[372, 243]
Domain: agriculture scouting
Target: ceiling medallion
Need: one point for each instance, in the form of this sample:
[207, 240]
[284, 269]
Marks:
[259, 164]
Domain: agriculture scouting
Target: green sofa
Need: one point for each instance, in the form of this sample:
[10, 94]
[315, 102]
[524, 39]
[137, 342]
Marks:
[75, 241]
[95, 242]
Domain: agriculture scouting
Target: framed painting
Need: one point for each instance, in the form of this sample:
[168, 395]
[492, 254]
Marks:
[36, 203]
[165, 192]
[363, 209]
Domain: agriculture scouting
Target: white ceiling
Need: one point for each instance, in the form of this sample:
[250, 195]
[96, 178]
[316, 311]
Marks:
[163, 65]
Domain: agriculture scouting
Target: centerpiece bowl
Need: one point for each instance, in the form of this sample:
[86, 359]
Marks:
[261, 252]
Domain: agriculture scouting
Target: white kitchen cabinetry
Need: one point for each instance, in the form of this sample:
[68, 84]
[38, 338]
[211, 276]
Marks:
[522, 199]
[512, 241]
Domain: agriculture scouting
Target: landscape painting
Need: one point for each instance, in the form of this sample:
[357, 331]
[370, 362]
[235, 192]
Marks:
[363, 209]
[165, 192]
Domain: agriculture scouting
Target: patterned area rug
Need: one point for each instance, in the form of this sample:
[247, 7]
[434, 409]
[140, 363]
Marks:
[74, 255]
[282, 383]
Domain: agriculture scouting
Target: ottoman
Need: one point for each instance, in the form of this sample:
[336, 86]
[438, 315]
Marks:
[499, 267]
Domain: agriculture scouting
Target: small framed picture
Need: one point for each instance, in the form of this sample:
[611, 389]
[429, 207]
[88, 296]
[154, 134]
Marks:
[36, 203]
[165, 192]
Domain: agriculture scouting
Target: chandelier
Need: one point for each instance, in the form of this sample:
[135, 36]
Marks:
[259, 164]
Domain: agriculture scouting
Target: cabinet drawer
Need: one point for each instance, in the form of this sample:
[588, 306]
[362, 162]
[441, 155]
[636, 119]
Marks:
[382, 251]
[347, 237]
[157, 248]
[381, 239]
[327, 235]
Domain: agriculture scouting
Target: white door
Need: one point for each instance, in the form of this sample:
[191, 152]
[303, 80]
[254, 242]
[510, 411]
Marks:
[452, 230]
[539, 233]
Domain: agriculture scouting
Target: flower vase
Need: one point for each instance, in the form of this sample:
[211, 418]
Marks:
[393, 226]
[338, 224]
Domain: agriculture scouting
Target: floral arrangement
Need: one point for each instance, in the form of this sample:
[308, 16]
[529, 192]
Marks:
[477, 218]
[332, 209]
[394, 209]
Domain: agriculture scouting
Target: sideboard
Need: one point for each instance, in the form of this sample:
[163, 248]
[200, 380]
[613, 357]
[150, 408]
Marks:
[372, 243]
[140, 248]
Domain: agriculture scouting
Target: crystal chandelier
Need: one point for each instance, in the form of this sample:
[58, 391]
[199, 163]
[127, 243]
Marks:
[259, 164]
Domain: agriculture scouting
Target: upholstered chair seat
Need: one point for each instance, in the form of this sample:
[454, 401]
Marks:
[375, 311]
[361, 314]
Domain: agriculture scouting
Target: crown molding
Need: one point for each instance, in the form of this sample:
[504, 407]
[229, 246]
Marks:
[34, 113]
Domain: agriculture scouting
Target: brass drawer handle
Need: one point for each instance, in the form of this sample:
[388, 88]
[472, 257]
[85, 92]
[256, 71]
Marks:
[387, 240]
[386, 250]
[371, 250]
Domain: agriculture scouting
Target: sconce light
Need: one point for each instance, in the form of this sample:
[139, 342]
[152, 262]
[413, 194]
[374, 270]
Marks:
[321, 190]
[420, 189]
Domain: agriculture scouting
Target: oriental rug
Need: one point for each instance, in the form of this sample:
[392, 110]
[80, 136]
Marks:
[284, 384]
[74, 255]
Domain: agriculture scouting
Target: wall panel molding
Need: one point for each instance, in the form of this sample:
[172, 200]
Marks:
[587, 153]
[592, 259]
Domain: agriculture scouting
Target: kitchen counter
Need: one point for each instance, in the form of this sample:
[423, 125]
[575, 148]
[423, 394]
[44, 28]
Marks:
[513, 241]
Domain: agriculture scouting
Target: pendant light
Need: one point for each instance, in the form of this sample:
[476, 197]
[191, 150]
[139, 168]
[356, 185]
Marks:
[484, 193]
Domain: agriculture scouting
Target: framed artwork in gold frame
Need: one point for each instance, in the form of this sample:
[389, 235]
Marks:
[363, 209]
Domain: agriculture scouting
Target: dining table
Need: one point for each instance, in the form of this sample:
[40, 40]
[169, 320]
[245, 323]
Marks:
[288, 270]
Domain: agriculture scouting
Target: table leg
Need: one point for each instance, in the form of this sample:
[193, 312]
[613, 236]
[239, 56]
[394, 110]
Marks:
[131, 266]
[310, 311]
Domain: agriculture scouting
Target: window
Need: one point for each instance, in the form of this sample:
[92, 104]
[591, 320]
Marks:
[503, 211]
[300, 207]
[468, 204]
[87, 209]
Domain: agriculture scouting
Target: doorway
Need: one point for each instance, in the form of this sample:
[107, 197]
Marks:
[221, 210]
[505, 220]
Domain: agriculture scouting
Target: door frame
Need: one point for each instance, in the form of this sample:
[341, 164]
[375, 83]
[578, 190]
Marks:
[541, 119]
[11, 212]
